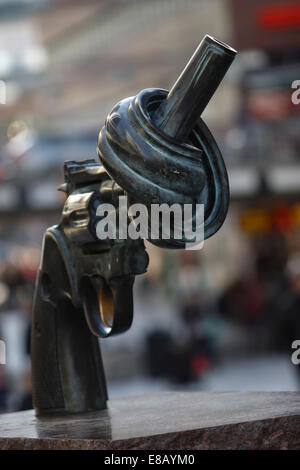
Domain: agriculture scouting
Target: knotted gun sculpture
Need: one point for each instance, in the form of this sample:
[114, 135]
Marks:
[155, 149]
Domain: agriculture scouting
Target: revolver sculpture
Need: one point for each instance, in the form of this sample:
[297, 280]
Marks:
[153, 148]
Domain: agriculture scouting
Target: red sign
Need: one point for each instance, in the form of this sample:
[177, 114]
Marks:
[279, 17]
[265, 24]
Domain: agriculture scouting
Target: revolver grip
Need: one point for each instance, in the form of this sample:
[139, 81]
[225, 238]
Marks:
[67, 369]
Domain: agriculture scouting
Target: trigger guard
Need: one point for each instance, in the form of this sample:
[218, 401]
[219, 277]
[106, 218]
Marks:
[121, 291]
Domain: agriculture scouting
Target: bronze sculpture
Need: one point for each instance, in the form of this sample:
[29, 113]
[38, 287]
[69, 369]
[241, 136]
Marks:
[155, 149]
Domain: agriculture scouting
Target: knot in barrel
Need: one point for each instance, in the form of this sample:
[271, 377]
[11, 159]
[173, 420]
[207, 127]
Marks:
[151, 167]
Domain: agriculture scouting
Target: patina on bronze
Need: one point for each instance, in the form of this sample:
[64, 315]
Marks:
[154, 148]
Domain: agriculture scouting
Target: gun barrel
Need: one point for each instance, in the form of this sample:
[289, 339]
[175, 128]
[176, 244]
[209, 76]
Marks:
[192, 91]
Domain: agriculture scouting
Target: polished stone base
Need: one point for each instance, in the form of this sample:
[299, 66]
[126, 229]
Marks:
[165, 421]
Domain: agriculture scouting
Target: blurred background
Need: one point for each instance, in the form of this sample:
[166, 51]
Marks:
[222, 318]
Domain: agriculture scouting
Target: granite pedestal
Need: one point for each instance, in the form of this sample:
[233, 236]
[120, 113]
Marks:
[165, 421]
